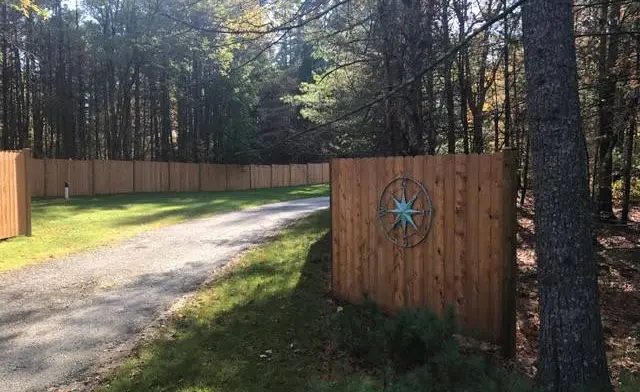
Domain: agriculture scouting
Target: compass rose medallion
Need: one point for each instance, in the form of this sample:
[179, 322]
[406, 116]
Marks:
[405, 212]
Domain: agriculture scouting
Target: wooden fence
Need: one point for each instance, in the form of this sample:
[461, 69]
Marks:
[96, 177]
[467, 259]
[15, 202]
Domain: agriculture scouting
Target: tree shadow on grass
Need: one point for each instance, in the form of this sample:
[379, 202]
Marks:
[156, 207]
[272, 338]
[196, 210]
[172, 198]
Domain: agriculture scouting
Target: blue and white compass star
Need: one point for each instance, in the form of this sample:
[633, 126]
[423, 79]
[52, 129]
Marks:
[406, 230]
[404, 212]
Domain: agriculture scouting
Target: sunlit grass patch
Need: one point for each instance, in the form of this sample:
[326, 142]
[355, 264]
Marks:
[63, 227]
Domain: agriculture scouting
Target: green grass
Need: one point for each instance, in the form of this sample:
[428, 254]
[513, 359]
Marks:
[63, 227]
[261, 327]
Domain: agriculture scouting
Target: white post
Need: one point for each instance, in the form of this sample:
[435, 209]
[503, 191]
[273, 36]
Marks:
[66, 191]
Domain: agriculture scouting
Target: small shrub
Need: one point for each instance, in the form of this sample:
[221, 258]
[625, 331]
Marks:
[416, 335]
[634, 194]
[629, 382]
[361, 333]
[459, 375]
[353, 384]
[423, 349]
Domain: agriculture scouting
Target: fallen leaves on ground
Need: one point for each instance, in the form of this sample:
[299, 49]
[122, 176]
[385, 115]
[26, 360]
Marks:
[619, 278]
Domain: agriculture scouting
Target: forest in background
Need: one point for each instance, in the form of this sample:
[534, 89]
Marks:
[278, 81]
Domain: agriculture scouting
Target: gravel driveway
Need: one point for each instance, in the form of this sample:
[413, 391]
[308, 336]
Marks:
[60, 319]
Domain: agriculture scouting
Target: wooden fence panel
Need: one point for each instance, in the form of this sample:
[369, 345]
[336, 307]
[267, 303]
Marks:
[238, 177]
[314, 173]
[260, 176]
[80, 178]
[326, 170]
[37, 178]
[15, 197]
[213, 177]
[101, 177]
[8, 196]
[298, 175]
[467, 260]
[56, 173]
[280, 175]
[184, 177]
[121, 177]
[151, 176]
[113, 177]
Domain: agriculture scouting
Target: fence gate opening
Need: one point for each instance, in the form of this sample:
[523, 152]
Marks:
[15, 198]
[429, 231]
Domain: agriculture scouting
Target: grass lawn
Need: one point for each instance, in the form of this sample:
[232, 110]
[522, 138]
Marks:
[63, 227]
[261, 327]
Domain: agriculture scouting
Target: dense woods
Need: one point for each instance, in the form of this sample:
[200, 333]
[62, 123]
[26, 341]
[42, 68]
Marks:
[294, 81]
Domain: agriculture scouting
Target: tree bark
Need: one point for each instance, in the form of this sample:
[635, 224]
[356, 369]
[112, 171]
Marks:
[607, 95]
[507, 79]
[460, 9]
[572, 354]
[626, 175]
[448, 84]
[5, 142]
[525, 171]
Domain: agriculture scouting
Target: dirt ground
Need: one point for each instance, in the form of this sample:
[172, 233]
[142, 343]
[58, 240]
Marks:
[619, 268]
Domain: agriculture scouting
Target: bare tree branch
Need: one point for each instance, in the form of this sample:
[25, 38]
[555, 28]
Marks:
[289, 25]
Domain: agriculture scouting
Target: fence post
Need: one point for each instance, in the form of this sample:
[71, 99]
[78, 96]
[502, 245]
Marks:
[27, 186]
[133, 175]
[508, 341]
[169, 176]
[135, 188]
[44, 177]
[199, 176]
[306, 177]
[272, 182]
[93, 177]
[250, 176]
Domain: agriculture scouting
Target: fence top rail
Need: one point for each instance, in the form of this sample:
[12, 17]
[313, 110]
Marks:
[417, 156]
[154, 161]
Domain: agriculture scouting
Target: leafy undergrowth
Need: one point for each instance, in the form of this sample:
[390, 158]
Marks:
[63, 227]
[619, 269]
[414, 351]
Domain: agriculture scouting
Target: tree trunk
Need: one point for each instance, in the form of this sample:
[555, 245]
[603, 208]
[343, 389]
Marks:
[525, 171]
[507, 79]
[633, 125]
[5, 142]
[628, 163]
[460, 9]
[448, 84]
[607, 96]
[572, 354]
[137, 137]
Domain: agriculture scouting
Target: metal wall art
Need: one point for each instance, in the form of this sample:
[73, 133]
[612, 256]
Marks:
[405, 212]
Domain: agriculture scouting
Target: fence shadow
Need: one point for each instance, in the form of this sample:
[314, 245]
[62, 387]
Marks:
[268, 341]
